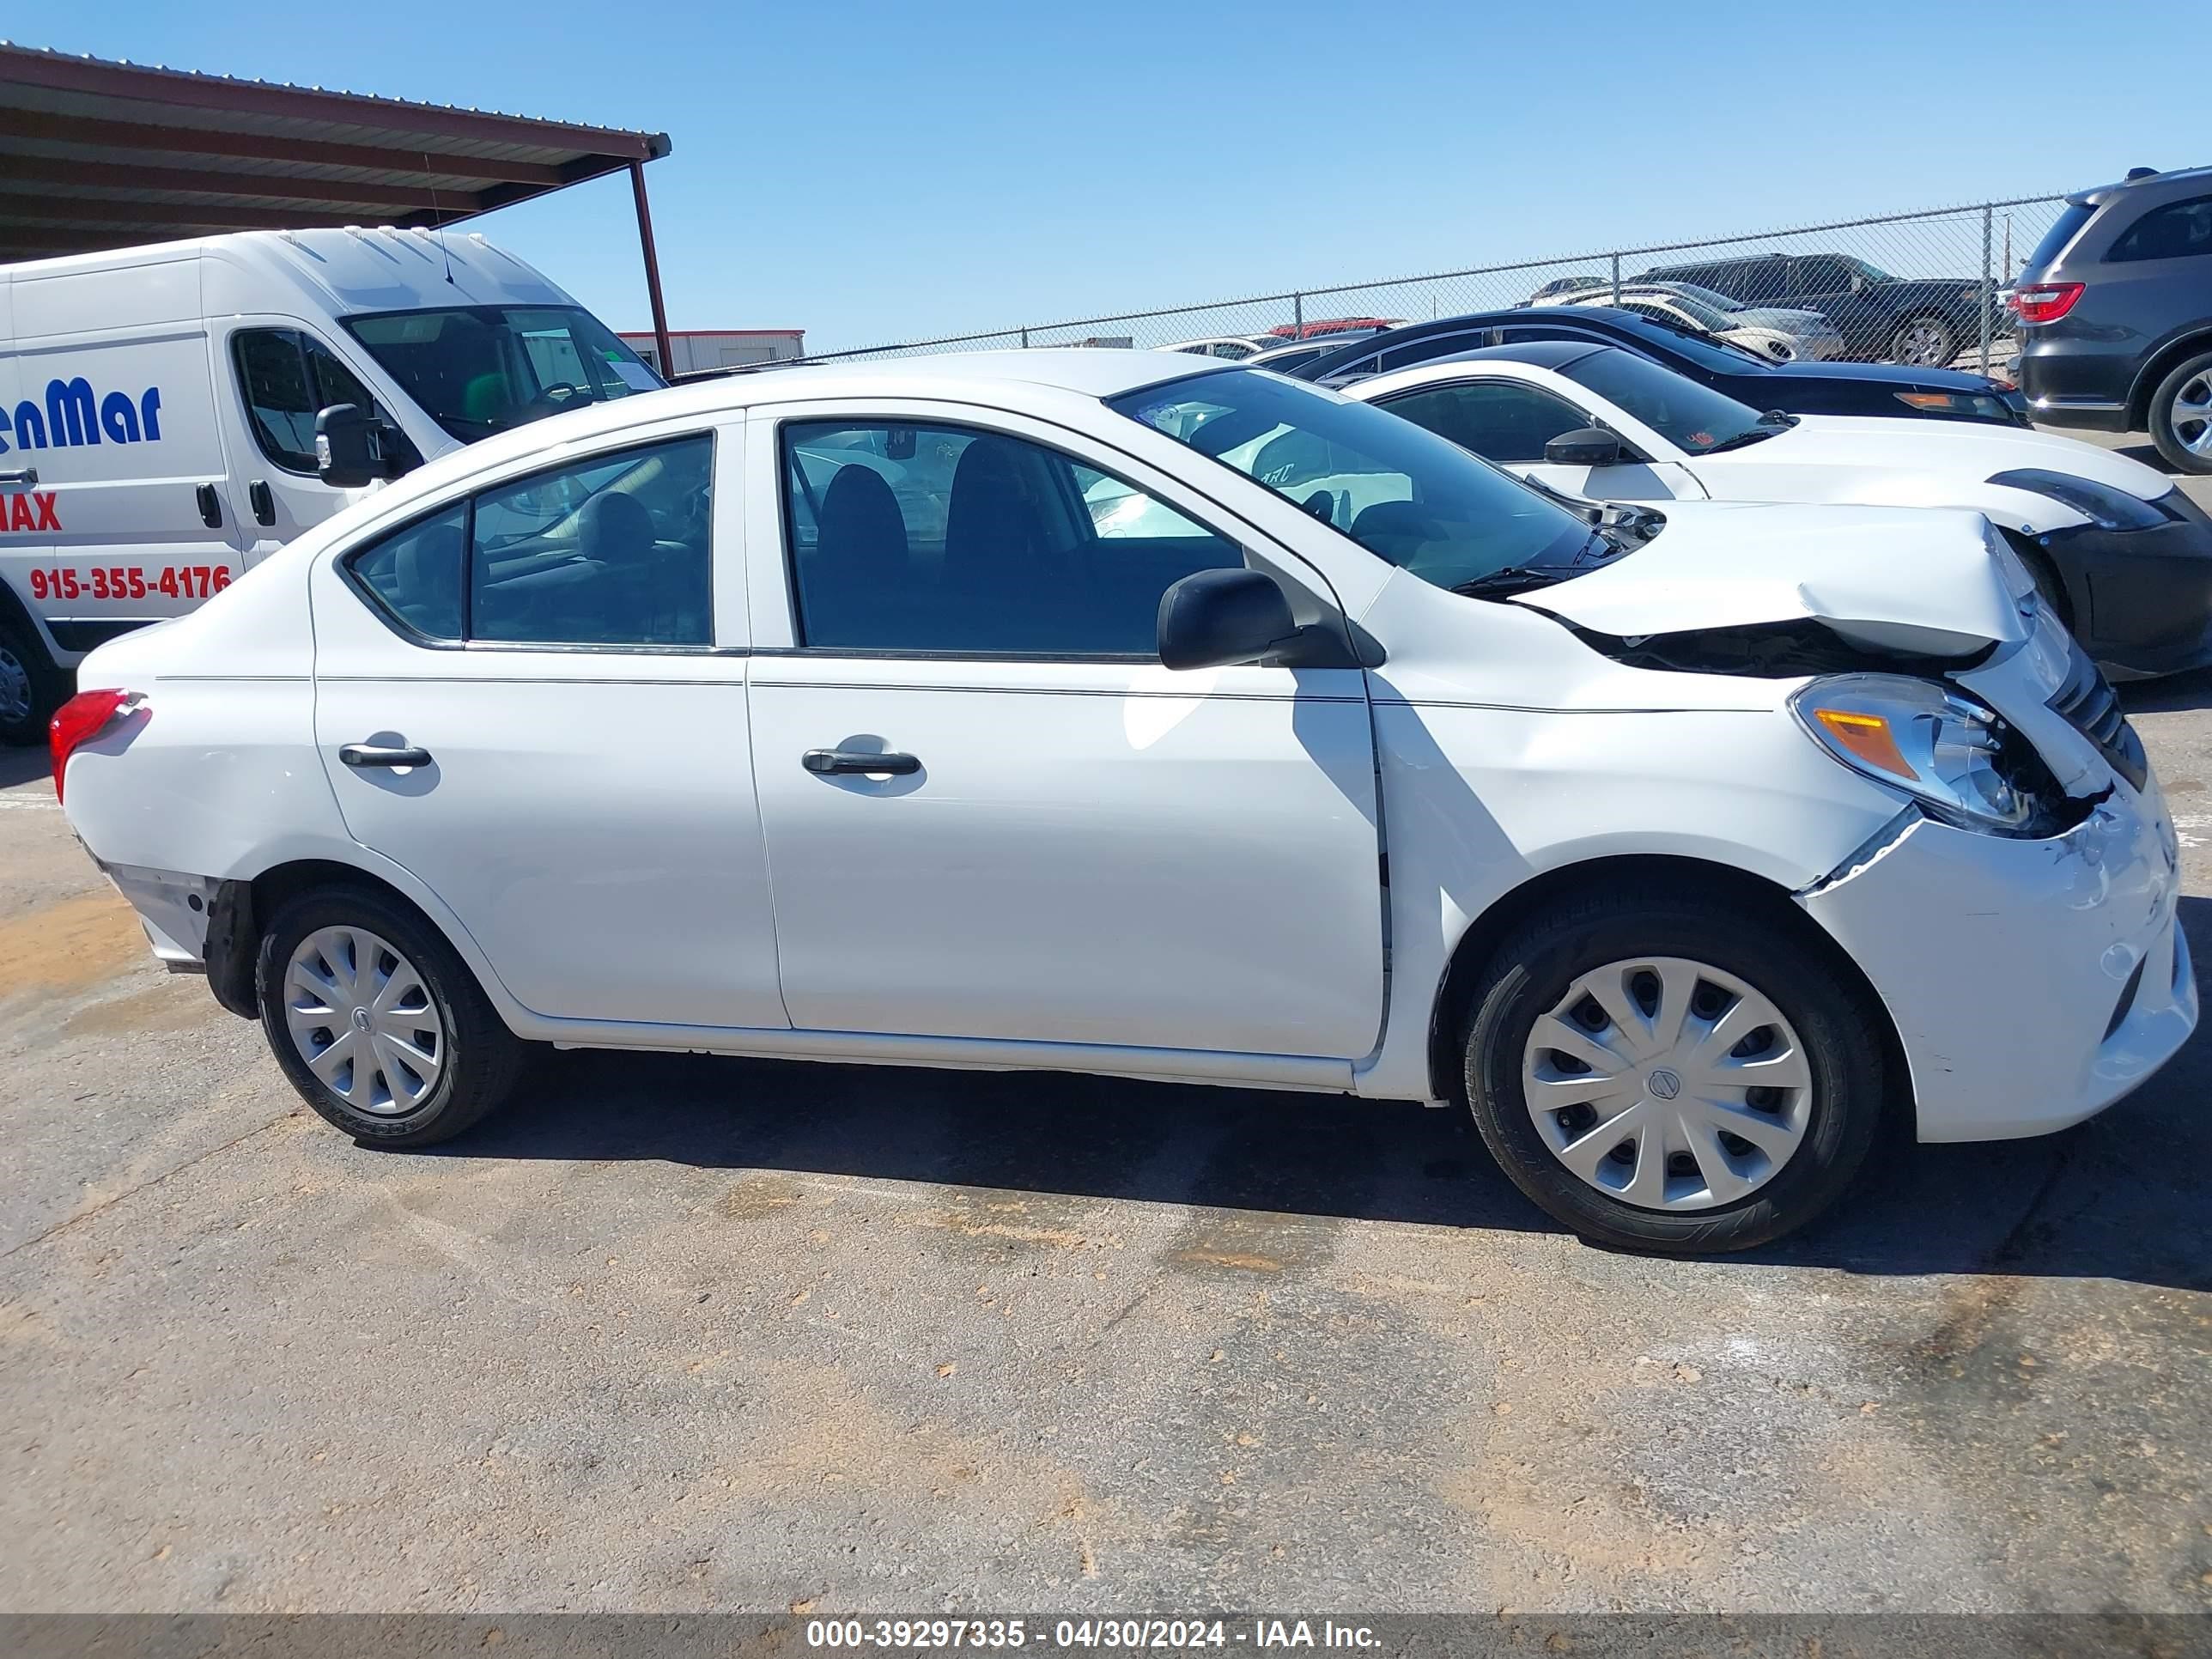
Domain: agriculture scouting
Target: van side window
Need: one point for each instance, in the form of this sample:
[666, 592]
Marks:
[289, 378]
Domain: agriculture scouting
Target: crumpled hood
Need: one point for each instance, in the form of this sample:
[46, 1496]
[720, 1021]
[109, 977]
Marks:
[1906, 579]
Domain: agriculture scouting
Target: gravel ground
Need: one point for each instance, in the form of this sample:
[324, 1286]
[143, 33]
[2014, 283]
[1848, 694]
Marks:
[681, 1333]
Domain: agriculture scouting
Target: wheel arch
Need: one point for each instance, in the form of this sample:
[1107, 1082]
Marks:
[2160, 364]
[243, 907]
[1670, 873]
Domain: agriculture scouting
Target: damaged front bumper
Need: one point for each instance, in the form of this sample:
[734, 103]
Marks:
[2031, 982]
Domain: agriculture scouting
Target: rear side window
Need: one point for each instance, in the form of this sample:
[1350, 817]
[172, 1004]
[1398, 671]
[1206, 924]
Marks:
[613, 551]
[2179, 230]
[414, 574]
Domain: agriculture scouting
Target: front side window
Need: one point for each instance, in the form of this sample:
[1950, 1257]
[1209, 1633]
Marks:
[1404, 495]
[948, 540]
[480, 369]
[1822, 274]
[1689, 414]
[1499, 420]
[2179, 230]
[613, 551]
[288, 377]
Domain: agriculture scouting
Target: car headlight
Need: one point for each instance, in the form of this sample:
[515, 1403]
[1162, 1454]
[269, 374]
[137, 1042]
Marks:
[1954, 756]
[1969, 406]
[2102, 505]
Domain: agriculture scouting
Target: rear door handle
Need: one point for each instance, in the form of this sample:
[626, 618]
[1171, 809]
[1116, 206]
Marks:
[209, 505]
[24, 476]
[834, 762]
[367, 754]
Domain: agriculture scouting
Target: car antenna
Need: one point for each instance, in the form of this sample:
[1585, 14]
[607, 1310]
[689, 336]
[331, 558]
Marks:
[439, 227]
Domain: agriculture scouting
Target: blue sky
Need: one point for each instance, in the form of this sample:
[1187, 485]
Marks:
[871, 171]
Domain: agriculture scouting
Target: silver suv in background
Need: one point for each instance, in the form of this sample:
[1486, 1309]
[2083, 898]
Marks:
[2114, 308]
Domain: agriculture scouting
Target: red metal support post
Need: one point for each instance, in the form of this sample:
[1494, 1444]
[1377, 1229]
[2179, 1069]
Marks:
[652, 271]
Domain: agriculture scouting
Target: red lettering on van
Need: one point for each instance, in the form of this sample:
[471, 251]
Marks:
[35, 512]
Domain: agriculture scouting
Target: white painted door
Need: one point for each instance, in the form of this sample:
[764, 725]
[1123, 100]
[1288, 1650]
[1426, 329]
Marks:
[574, 777]
[1074, 844]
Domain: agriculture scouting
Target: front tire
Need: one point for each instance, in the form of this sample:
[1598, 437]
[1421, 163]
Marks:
[377, 1023]
[1924, 341]
[2181, 415]
[31, 687]
[1610, 1053]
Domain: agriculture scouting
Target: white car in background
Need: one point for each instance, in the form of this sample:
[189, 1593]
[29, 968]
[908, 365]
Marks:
[1682, 853]
[1771, 341]
[2117, 550]
[1229, 348]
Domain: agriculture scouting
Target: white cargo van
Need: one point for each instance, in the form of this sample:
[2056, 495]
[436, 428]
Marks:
[158, 409]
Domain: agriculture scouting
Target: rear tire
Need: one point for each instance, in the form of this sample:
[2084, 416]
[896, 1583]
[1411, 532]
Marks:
[1811, 1139]
[1924, 341]
[31, 687]
[2181, 417]
[377, 1021]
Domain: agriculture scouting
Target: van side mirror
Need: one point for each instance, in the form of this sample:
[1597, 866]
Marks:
[1216, 617]
[352, 448]
[1590, 446]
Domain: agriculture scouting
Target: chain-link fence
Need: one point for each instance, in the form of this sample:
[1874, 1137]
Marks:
[1922, 288]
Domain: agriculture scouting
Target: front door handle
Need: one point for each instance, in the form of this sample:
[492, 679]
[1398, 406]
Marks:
[836, 763]
[257, 497]
[369, 754]
[23, 476]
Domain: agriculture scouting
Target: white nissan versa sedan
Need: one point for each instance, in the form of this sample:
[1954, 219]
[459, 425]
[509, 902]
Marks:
[1005, 711]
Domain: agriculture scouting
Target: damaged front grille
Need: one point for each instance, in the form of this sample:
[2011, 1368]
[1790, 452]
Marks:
[2088, 703]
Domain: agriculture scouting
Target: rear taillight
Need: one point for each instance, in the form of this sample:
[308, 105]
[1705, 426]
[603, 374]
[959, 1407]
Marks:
[2045, 302]
[82, 718]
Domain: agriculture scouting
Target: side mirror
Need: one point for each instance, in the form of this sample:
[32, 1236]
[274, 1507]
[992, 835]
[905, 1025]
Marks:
[1216, 617]
[1589, 447]
[347, 454]
[1858, 283]
[351, 447]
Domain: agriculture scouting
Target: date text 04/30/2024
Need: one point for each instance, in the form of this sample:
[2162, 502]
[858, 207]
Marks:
[1101, 1634]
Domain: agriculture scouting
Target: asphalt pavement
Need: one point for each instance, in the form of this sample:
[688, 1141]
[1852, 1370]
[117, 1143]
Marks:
[678, 1333]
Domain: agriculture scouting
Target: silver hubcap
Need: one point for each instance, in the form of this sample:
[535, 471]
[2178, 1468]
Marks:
[14, 687]
[1667, 1084]
[362, 1019]
[2192, 414]
[1925, 344]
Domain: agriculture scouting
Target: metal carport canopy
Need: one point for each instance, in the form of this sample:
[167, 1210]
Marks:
[97, 155]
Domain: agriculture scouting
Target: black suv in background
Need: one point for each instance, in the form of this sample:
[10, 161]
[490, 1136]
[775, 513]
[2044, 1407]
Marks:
[1795, 388]
[2115, 309]
[1882, 318]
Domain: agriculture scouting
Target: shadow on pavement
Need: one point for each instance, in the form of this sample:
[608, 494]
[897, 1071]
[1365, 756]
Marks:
[2123, 1197]
[21, 765]
[2175, 692]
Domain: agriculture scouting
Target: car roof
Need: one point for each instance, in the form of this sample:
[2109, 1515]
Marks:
[1537, 354]
[2182, 178]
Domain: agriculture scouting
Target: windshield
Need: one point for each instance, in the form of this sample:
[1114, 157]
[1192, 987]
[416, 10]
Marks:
[1720, 357]
[1694, 418]
[480, 369]
[1404, 495]
[1712, 296]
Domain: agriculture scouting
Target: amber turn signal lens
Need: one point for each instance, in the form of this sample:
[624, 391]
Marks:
[1866, 736]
